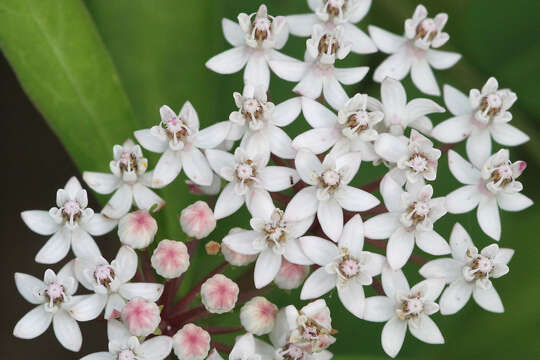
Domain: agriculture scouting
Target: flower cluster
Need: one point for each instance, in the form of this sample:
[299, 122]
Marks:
[310, 221]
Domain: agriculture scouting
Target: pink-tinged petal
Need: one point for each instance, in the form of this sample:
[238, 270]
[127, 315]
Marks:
[228, 62]
[56, 248]
[351, 76]
[462, 170]
[446, 268]
[396, 66]
[390, 147]
[257, 72]
[333, 92]
[400, 247]
[242, 242]
[89, 307]
[286, 112]
[39, 221]
[166, 113]
[419, 108]
[141, 316]
[387, 42]
[120, 203]
[191, 343]
[317, 140]
[146, 199]
[422, 76]
[318, 115]
[33, 324]
[353, 199]
[432, 243]
[426, 330]
[361, 42]
[508, 135]
[167, 168]
[137, 229]
[266, 268]
[378, 309]
[258, 316]
[294, 253]
[83, 245]
[489, 219]
[219, 294]
[158, 348]
[228, 202]
[393, 335]
[456, 295]
[196, 166]
[381, 226]
[30, 288]
[147, 291]
[318, 250]
[197, 220]
[310, 85]
[280, 143]
[453, 130]
[352, 296]
[212, 136]
[114, 307]
[99, 225]
[290, 69]
[513, 202]
[301, 25]
[457, 102]
[318, 284]
[478, 147]
[352, 237]
[67, 331]
[148, 141]
[304, 204]
[442, 60]
[463, 200]
[170, 259]
[488, 299]
[330, 216]
[232, 32]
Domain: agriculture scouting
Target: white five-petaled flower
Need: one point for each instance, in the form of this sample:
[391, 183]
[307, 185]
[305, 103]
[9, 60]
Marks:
[414, 51]
[258, 122]
[328, 192]
[345, 266]
[492, 186]
[404, 307]
[274, 235]
[255, 39]
[479, 117]
[468, 272]
[179, 139]
[331, 13]
[415, 158]
[71, 223]
[409, 220]
[317, 74]
[110, 284]
[353, 129]
[129, 180]
[53, 297]
[249, 179]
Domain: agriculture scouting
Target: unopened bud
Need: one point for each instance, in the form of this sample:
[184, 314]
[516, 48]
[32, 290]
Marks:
[137, 229]
[212, 247]
[219, 294]
[258, 315]
[141, 316]
[198, 220]
[291, 276]
[170, 259]
[191, 343]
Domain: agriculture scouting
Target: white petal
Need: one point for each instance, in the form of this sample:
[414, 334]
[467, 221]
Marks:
[98, 356]
[286, 112]
[242, 242]
[330, 216]
[266, 268]
[422, 124]
[334, 93]
[67, 331]
[278, 178]
[352, 237]
[393, 282]
[354, 199]
[381, 226]
[351, 295]
[318, 115]
[378, 309]
[125, 263]
[294, 253]
[361, 42]
[393, 335]
[429, 288]
[83, 245]
[311, 84]
[148, 291]
[400, 247]
[396, 66]
[453, 130]
[29, 287]
[422, 76]
[315, 4]
[460, 242]
[442, 60]
[426, 330]
[228, 62]
[89, 307]
[351, 76]
[73, 186]
[478, 147]
[432, 243]
[219, 160]
[318, 284]
[212, 136]
[259, 203]
[488, 218]
[301, 25]
[196, 167]
[119, 204]
[508, 135]
[513, 202]
[457, 102]
[228, 202]
[391, 192]
[455, 296]
[114, 304]
[463, 199]
[386, 41]
[232, 32]
[390, 148]
[33, 324]
[302, 205]
[280, 143]
[99, 225]
[462, 170]
[257, 72]
[39, 221]
[167, 168]
[418, 108]
[157, 348]
[290, 70]
[56, 248]
[317, 140]
[319, 250]
[148, 141]
[147, 199]
[190, 116]
[488, 299]
[446, 268]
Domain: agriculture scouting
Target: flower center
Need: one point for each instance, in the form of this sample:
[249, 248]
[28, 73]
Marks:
[253, 112]
[128, 162]
[335, 7]
[357, 122]
[245, 171]
[410, 308]
[71, 209]
[502, 175]
[490, 106]
[177, 129]
[276, 230]
[126, 355]
[291, 352]
[349, 267]
[55, 293]
[418, 163]
[418, 211]
[261, 28]
[104, 275]
[426, 30]
[331, 179]
[328, 44]
[479, 267]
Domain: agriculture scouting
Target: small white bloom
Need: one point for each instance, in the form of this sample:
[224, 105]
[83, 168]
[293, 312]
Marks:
[414, 51]
[258, 316]
[191, 343]
[179, 139]
[404, 307]
[469, 272]
[492, 186]
[71, 223]
[479, 117]
[219, 294]
[54, 298]
[170, 259]
[249, 179]
[328, 192]
[256, 39]
[409, 220]
[197, 220]
[137, 229]
[330, 13]
[345, 266]
[141, 316]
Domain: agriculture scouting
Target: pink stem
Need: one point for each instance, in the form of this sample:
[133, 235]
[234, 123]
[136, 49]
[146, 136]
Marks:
[221, 347]
[147, 267]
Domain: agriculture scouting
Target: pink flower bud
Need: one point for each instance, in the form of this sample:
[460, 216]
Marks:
[141, 316]
[291, 276]
[197, 220]
[219, 294]
[234, 258]
[137, 229]
[258, 315]
[170, 259]
[191, 343]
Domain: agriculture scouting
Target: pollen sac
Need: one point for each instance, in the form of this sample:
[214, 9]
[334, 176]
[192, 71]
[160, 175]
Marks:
[234, 258]
[170, 259]
[197, 220]
[219, 294]
[191, 343]
[291, 276]
[141, 316]
[258, 316]
[137, 229]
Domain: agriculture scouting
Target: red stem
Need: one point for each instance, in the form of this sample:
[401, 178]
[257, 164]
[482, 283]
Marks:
[218, 330]
[377, 286]
[147, 267]
[221, 347]
[251, 294]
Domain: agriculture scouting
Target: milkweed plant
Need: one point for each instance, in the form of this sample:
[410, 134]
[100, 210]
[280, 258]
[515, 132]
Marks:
[308, 223]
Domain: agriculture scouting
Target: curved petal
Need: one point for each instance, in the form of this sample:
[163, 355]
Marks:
[350, 76]
[396, 66]
[148, 291]
[157, 348]
[266, 268]
[442, 60]
[393, 282]
[460, 242]
[290, 69]
[462, 170]
[242, 242]
[426, 330]
[115, 304]
[352, 237]
[310, 85]
[381, 226]
[33, 324]
[280, 143]
[301, 25]
[457, 102]
[317, 140]
[390, 147]
[318, 284]
[294, 253]
[463, 200]
[378, 309]
[40, 222]
[361, 42]
[167, 168]
[318, 115]
[257, 72]
[422, 76]
[212, 136]
[67, 331]
[196, 166]
[83, 245]
[330, 216]
[286, 112]
[447, 269]
[391, 192]
[432, 243]
[333, 92]
[386, 41]
[352, 296]
[99, 225]
[259, 203]
[353, 199]
[302, 205]
[318, 250]
[488, 299]
[233, 32]
[418, 108]
[102, 355]
[489, 219]
[125, 263]
[219, 160]
[478, 147]
[228, 62]
[228, 202]
[30, 287]
[119, 204]
[400, 247]
[393, 335]
[148, 141]
[147, 199]
[453, 130]
[508, 135]
[455, 296]
[89, 307]
[56, 248]
[513, 202]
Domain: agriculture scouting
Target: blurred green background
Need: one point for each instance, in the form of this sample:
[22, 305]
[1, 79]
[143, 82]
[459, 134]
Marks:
[97, 70]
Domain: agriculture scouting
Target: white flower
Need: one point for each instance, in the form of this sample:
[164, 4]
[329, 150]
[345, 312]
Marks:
[258, 122]
[330, 13]
[71, 223]
[258, 316]
[110, 284]
[415, 158]
[317, 74]
[137, 229]
[255, 39]
[353, 129]
[249, 179]
[481, 116]
[274, 235]
[170, 259]
[488, 188]
[219, 294]
[468, 273]
[191, 343]
[179, 139]
[247, 347]
[129, 181]
[328, 192]
[53, 297]
[409, 220]
[344, 266]
[403, 307]
[414, 51]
